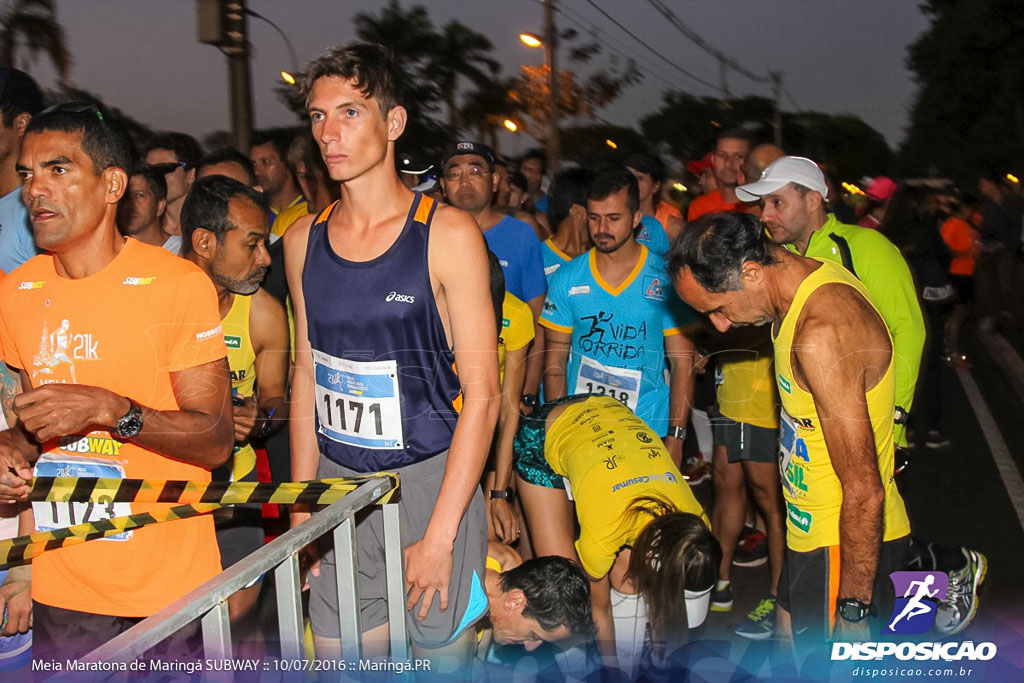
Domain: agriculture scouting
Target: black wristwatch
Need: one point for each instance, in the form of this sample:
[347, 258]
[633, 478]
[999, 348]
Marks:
[505, 494]
[531, 401]
[131, 423]
[853, 610]
[677, 432]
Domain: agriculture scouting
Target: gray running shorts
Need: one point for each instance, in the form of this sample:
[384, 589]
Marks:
[467, 603]
[745, 441]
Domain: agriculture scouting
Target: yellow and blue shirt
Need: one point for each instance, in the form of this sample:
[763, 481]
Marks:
[812, 491]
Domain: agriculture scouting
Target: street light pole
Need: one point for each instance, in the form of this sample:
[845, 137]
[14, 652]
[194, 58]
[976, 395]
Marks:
[554, 146]
[239, 76]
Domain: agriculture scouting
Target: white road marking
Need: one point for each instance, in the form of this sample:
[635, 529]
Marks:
[1008, 470]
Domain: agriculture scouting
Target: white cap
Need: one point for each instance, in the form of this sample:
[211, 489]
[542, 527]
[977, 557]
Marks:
[780, 173]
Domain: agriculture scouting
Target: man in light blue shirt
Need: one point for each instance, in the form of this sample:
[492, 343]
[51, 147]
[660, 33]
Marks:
[20, 100]
[612, 320]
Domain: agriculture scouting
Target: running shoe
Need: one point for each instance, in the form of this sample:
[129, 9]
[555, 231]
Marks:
[759, 624]
[697, 471]
[721, 597]
[961, 603]
[752, 550]
[936, 440]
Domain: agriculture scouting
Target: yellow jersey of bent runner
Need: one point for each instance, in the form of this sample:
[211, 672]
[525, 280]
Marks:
[812, 492]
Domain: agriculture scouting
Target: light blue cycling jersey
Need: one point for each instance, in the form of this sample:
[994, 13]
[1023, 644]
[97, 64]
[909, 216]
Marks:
[618, 334]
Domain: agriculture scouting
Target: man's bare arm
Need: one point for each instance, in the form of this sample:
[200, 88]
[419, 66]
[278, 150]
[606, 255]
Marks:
[459, 262]
[305, 452]
[268, 325]
[535, 361]
[842, 353]
[556, 360]
[679, 352]
[199, 432]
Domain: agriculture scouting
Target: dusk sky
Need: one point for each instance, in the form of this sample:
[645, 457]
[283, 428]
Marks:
[838, 56]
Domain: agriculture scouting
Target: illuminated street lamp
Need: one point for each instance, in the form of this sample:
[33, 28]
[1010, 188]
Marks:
[510, 125]
[611, 143]
[530, 40]
[1012, 178]
[287, 78]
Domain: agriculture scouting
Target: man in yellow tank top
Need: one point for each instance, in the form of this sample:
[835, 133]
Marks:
[846, 522]
[224, 232]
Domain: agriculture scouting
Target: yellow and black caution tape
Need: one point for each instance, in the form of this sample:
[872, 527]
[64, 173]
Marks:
[191, 498]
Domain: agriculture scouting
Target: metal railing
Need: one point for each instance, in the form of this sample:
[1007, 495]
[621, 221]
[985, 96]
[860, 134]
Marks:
[209, 601]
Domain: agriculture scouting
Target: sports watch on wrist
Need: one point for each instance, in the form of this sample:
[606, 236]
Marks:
[677, 432]
[853, 610]
[130, 424]
[530, 401]
[505, 494]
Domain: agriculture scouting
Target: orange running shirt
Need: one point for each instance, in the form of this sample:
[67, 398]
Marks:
[126, 328]
[711, 202]
[962, 240]
[664, 211]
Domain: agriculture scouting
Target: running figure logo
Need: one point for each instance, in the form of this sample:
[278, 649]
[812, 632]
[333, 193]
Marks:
[54, 350]
[917, 594]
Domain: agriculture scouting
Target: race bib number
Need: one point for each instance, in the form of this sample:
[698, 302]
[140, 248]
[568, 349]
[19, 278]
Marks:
[357, 403]
[620, 383]
[792, 446]
[54, 515]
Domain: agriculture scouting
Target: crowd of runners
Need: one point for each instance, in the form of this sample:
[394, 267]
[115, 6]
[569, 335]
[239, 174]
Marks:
[600, 394]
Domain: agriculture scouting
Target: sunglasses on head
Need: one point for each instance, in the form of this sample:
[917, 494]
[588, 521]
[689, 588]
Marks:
[167, 167]
[76, 107]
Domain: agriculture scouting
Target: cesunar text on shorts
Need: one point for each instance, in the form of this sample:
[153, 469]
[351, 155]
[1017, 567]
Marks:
[947, 652]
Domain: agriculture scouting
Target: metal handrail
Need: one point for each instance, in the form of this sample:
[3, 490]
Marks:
[209, 601]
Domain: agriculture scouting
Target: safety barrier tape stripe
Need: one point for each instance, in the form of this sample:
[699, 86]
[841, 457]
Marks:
[192, 498]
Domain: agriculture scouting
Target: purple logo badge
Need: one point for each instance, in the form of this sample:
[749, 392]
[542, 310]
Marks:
[917, 595]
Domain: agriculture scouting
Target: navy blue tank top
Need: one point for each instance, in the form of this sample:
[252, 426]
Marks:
[386, 388]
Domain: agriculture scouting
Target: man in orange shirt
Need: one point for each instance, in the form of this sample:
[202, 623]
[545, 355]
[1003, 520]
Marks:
[727, 166]
[123, 374]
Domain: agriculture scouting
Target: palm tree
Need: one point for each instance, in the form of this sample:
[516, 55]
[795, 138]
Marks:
[485, 108]
[409, 35]
[459, 52]
[33, 25]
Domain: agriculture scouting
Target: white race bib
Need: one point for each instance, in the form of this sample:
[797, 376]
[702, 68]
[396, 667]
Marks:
[50, 516]
[357, 403]
[620, 383]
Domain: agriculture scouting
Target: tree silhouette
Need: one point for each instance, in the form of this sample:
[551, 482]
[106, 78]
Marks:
[968, 116]
[459, 52]
[32, 25]
[409, 34]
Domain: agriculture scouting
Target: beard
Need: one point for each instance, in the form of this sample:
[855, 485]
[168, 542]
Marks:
[245, 286]
[610, 245]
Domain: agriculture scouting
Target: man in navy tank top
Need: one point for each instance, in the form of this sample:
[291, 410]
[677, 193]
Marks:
[391, 295]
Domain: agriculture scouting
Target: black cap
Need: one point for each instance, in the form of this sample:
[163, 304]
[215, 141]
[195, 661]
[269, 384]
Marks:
[18, 90]
[645, 163]
[477, 148]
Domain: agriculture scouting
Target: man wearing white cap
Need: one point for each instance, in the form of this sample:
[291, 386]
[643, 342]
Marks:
[792, 192]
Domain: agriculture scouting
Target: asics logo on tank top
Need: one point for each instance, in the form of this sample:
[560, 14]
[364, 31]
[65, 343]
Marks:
[400, 298]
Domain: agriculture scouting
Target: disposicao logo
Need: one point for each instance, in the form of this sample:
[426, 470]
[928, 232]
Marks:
[917, 596]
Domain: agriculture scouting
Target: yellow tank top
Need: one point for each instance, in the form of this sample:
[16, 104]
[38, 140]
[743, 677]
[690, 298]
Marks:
[811, 489]
[242, 362]
[610, 458]
[516, 329]
[746, 390]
